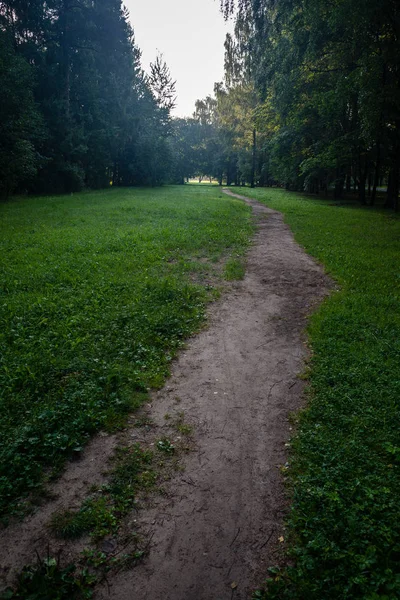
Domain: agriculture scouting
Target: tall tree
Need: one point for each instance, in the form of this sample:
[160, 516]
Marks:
[20, 123]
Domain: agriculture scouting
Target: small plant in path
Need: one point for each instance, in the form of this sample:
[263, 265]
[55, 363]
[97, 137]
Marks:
[164, 445]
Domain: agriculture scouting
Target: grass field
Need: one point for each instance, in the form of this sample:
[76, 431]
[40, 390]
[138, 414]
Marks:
[345, 463]
[98, 291]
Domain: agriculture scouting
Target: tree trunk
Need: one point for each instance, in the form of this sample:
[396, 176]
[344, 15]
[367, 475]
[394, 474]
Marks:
[65, 52]
[253, 160]
[377, 172]
[339, 182]
[114, 174]
[362, 180]
[392, 196]
[348, 181]
[369, 182]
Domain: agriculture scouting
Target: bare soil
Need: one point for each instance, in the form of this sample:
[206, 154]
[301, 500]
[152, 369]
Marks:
[217, 528]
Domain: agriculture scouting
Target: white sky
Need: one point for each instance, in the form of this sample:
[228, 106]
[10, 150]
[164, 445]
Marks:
[190, 34]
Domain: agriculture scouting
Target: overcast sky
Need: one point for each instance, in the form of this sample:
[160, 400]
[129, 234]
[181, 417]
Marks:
[190, 34]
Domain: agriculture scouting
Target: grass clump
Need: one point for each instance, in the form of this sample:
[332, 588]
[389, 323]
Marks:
[234, 269]
[345, 464]
[48, 579]
[101, 514]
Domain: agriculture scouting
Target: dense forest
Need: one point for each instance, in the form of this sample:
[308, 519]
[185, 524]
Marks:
[77, 109]
[310, 100]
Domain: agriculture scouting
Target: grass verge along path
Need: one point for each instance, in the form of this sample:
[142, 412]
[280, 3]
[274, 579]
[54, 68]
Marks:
[98, 291]
[345, 463]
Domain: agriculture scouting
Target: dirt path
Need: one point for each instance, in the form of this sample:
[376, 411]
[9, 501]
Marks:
[218, 524]
[220, 521]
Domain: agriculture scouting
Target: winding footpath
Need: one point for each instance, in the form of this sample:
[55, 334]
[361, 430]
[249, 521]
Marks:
[217, 529]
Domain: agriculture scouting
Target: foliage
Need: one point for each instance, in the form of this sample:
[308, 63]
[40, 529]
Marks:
[78, 111]
[344, 468]
[164, 445]
[328, 82]
[97, 296]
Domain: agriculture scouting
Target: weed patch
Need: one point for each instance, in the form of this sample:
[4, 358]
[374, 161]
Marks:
[48, 580]
[101, 513]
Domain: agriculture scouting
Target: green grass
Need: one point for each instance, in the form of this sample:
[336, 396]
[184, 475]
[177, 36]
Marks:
[345, 465]
[101, 513]
[234, 269]
[98, 291]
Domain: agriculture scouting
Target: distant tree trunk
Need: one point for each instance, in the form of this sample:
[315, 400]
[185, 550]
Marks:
[362, 180]
[115, 174]
[392, 196]
[326, 185]
[65, 50]
[230, 174]
[339, 182]
[348, 181]
[377, 172]
[392, 199]
[253, 160]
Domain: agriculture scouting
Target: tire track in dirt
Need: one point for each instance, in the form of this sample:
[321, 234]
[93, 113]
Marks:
[219, 522]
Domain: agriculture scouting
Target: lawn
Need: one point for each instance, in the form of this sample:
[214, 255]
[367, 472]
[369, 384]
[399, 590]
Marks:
[98, 291]
[344, 527]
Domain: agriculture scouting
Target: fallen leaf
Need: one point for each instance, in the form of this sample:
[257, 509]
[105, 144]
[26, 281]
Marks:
[281, 539]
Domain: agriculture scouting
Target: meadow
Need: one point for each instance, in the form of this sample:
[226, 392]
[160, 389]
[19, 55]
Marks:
[344, 470]
[98, 292]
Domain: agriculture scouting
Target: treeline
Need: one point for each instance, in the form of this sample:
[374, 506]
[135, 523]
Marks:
[76, 108]
[310, 101]
[311, 98]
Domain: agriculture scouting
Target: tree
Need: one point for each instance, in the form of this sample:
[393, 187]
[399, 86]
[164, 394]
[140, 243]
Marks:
[20, 123]
[104, 119]
[330, 73]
